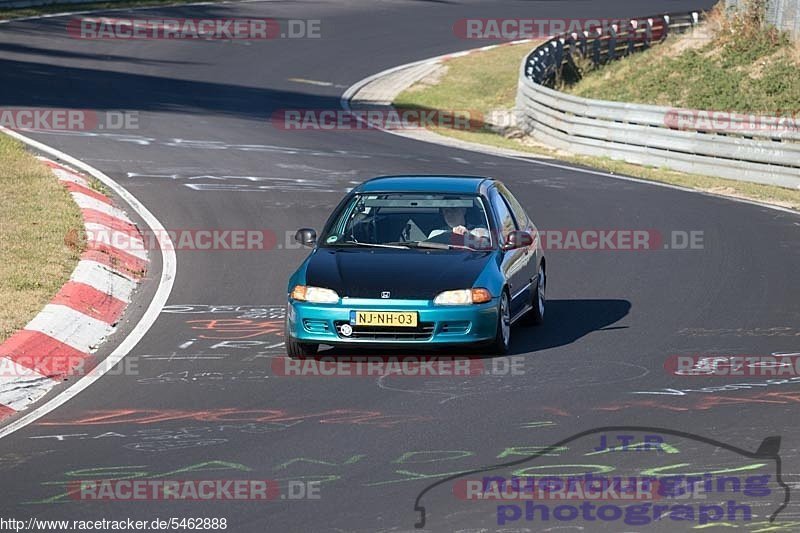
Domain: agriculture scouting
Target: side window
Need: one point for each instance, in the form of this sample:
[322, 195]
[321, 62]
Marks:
[503, 214]
[516, 208]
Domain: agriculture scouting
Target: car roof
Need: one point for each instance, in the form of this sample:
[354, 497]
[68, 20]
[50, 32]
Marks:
[417, 183]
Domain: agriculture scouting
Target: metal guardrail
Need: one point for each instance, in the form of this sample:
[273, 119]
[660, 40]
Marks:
[733, 146]
[603, 44]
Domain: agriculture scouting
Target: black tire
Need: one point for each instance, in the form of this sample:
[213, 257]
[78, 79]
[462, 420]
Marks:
[298, 349]
[538, 300]
[502, 339]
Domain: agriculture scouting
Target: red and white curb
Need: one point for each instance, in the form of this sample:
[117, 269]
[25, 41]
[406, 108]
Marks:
[58, 341]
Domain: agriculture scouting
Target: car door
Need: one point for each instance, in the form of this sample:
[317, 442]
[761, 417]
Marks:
[514, 261]
[532, 256]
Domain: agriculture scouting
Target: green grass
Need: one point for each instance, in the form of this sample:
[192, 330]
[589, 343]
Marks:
[487, 81]
[730, 64]
[41, 236]
[19, 12]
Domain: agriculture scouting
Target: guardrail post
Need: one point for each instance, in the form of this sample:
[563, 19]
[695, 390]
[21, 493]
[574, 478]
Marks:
[596, 49]
[648, 33]
[571, 43]
[547, 62]
[543, 65]
[582, 43]
[631, 37]
[559, 57]
[612, 43]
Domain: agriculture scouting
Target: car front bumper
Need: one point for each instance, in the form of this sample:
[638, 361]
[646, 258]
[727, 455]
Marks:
[437, 325]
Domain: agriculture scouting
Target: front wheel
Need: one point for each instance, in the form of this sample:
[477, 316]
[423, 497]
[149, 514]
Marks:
[502, 339]
[298, 349]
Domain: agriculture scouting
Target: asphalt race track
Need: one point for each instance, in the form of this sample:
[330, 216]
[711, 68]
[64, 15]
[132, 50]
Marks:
[201, 400]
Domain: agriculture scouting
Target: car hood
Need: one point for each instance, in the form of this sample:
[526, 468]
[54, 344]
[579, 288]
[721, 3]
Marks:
[405, 274]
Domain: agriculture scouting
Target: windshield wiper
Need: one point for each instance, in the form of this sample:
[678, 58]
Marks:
[396, 246]
[437, 245]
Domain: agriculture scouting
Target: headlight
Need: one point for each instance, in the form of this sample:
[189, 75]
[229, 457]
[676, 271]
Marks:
[463, 297]
[316, 295]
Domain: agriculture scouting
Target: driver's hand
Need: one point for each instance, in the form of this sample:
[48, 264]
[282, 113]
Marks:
[459, 230]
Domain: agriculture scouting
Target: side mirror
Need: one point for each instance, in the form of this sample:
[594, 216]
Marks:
[518, 239]
[306, 236]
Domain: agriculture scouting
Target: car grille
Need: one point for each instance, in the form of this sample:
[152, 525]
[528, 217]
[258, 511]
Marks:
[422, 332]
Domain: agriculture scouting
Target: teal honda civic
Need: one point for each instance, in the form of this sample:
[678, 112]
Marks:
[418, 261]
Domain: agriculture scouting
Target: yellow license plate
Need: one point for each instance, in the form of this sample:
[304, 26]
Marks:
[386, 319]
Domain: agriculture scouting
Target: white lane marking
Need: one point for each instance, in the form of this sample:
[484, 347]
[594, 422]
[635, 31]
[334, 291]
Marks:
[104, 279]
[71, 327]
[20, 385]
[119, 240]
[169, 267]
[87, 202]
[311, 82]
[184, 357]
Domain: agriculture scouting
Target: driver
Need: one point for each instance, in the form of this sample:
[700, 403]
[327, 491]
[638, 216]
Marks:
[455, 218]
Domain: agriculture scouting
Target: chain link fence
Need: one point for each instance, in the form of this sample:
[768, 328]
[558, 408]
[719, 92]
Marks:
[783, 14]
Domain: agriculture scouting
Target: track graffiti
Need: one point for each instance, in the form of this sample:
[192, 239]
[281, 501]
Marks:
[403, 466]
[275, 312]
[160, 440]
[445, 391]
[401, 475]
[125, 472]
[779, 331]
[703, 403]
[15, 459]
[164, 446]
[236, 328]
[723, 388]
[206, 378]
[214, 332]
[151, 416]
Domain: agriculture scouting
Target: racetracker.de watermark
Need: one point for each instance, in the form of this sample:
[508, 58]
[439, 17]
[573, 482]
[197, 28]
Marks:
[512, 29]
[52, 119]
[201, 240]
[782, 120]
[376, 119]
[618, 493]
[219, 239]
[152, 28]
[778, 364]
[620, 239]
[407, 366]
[552, 488]
[192, 490]
[598, 240]
[59, 365]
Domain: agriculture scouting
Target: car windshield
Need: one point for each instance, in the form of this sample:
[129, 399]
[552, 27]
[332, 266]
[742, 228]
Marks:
[403, 220]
